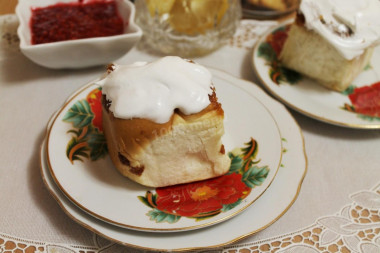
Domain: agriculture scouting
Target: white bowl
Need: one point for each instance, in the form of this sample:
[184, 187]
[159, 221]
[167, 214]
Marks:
[78, 53]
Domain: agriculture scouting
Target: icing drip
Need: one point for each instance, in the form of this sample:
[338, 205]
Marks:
[154, 90]
[351, 26]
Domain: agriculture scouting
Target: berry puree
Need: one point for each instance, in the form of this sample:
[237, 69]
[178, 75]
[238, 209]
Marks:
[76, 20]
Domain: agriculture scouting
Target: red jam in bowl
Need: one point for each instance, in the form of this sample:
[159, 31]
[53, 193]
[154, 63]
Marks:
[76, 20]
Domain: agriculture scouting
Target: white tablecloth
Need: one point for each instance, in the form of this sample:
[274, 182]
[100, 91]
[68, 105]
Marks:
[343, 164]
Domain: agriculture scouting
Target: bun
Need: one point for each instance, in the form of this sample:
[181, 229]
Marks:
[332, 41]
[163, 122]
[187, 148]
[307, 52]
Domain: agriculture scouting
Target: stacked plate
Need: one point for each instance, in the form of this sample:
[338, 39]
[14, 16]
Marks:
[268, 161]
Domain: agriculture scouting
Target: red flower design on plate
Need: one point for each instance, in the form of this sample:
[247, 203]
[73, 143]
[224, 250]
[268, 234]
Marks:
[94, 99]
[277, 39]
[195, 199]
[208, 198]
[366, 100]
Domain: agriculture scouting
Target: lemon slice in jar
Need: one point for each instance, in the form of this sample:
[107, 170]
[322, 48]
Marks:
[196, 16]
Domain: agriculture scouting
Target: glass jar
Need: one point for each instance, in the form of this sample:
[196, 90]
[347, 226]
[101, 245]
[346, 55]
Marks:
[187, 28]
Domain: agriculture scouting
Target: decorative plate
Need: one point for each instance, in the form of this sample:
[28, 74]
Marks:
[276, 200]
[260, 12]
[78, 161]
[357, 107]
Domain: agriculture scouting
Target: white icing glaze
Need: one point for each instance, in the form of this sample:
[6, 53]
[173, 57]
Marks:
[154, 90]
[362, 17]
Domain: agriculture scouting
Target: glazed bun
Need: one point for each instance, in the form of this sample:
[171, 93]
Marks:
[160, 151]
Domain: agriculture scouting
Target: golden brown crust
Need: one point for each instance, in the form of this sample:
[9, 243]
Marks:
[144, 129]
[131, 135]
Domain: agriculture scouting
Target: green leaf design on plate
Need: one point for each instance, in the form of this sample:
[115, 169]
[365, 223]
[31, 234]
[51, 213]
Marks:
[367, 67]
[145, 201]
[98, 145]
[266, 51]
[149, 199]
[368, 118]
[80, 114]
[250, 150]
[76, 149]
[350, 89]
[255, 176]
[82, 133]
[236, 164]
[231, 206]
[289, 75]
[159, 216]
[88, 141]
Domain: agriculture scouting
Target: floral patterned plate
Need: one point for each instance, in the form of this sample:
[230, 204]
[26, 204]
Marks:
[357, 107]
[276, 200]
[260, 12]
[79, 164]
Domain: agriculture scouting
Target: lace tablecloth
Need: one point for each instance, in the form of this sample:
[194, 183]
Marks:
[337, 210]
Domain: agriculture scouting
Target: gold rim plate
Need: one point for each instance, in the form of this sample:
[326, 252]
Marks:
[276, 200]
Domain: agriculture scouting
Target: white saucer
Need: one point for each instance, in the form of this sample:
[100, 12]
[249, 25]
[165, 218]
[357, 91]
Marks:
[266, 210]
[98, 188]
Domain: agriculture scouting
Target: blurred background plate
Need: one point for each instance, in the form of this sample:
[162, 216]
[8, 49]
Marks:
[268, 9]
